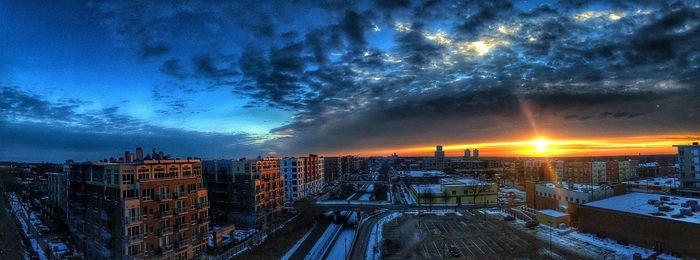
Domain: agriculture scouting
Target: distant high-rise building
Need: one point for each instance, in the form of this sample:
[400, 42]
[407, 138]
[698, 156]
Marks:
[476, 153]
[467, 153]
[127, 156]
[303, 176]
[439, 158]
[139, 154]
[689, 168]
[331, 169]
[144, 209]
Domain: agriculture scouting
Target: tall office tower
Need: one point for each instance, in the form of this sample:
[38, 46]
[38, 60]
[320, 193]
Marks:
[143, 209]
[303, 176]
[467, 153]
[127, 156]
[476, 153]
[439, 158]
[689, 168]
[247, 192]
[139, 154]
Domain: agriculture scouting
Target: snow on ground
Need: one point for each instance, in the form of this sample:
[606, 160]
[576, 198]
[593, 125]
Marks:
[324, 242]
[582, 242]
[342, 244]
[296, 246]
[374, 246]
[21, 215]
[370, 188]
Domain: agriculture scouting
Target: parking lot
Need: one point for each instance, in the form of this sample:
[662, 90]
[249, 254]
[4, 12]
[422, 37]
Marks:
[474, 236]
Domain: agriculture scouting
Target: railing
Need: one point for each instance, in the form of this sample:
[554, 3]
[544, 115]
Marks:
[178, 194]
[182, 227]
[165, 231]
[165, 213]
[162, 197]
[202, 205]
[179, 210]
[133, 238]
[166, 249]
[180, 244]
[133, 219]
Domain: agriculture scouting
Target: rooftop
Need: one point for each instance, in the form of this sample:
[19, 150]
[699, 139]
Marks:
[660, 181]
[462, 181]
[553, 213]
[432, 173]
[427, 188]
[638, 203]
[574, 186]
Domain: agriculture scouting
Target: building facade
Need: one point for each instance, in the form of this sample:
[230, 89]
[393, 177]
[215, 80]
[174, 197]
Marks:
[246, 192]
[142, 209]
[439, 158]
[303, 176]
[689, 168]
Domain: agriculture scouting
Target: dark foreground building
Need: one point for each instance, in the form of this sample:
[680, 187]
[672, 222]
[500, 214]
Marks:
[649, 220]
[139, 209]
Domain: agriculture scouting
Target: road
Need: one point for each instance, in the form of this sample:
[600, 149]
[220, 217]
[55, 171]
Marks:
[364, 231]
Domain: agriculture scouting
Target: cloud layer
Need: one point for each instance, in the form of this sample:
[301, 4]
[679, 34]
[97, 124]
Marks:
[373, 74]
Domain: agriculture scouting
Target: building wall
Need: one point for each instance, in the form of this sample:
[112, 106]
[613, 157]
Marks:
[678, 237]
[466, 194]
[689, 168]
[303, 176]
[141, 209]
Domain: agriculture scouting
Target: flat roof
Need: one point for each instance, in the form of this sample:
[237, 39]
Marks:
[427, 188]
[553, 213]
[638, 203]
[575, 187]
[431, 173]
[661, 181]
[462, 181]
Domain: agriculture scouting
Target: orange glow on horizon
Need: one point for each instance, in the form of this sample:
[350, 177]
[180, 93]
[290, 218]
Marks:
[541, 146]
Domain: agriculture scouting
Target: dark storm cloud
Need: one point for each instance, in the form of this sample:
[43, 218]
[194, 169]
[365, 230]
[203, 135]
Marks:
[622, 65]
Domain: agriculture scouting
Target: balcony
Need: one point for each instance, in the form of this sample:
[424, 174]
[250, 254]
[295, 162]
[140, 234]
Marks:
[165, 249]
[180, 210]
[161, 197]
[133, 219]
[179, 194]
[202, 205]
[165, 231]
[181, 244]
[165, 214]
[182, 227]
[134, 238]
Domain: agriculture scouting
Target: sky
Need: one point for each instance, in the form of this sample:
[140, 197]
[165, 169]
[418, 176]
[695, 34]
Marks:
[88, 80]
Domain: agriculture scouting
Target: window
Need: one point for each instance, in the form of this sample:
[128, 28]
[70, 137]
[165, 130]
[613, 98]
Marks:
[454, 192]
[147, 194]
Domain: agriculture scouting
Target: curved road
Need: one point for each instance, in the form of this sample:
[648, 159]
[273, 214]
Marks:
[359, 248]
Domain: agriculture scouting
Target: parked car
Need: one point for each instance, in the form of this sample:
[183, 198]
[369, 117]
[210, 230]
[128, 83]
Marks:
[454, 251]
[508, 218]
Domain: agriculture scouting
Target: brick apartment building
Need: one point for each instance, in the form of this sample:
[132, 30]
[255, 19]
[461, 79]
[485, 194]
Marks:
[303, 176]
[246, 192]
[138, 209]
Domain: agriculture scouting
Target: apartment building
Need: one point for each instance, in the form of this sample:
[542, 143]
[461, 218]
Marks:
[689, 168]
[331, 169]
[303, 176]
[628, 169]
[245, 192]
[139, 209]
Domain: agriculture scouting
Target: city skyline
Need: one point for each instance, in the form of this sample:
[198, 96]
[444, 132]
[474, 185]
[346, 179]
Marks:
[239, 79]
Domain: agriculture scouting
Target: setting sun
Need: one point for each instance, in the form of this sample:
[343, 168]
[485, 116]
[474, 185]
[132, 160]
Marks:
[541, 144]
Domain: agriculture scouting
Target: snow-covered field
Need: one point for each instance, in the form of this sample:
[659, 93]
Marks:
[21, 215]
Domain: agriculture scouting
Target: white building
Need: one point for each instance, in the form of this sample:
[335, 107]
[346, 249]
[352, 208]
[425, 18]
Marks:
[303, 176]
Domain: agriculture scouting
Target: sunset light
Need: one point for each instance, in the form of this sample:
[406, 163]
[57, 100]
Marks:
[541, 144]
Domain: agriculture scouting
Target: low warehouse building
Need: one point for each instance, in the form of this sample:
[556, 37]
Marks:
[552, 218]
[669, 223]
